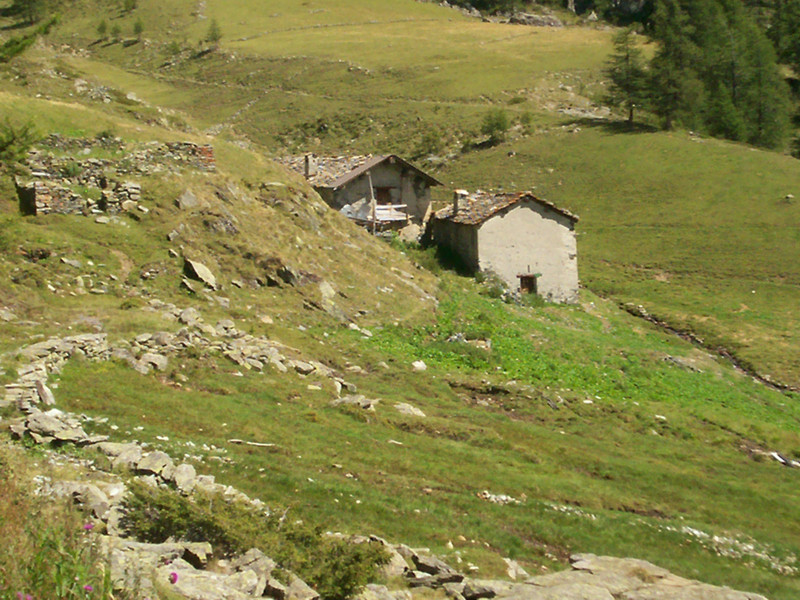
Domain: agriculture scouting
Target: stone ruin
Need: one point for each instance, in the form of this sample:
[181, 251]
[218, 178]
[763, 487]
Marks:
[58, 183]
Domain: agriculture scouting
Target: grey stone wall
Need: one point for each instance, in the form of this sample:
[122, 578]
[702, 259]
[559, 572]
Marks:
[462, 240]
[404, 188]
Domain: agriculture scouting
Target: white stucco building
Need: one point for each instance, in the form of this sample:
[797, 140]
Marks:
[526, 241]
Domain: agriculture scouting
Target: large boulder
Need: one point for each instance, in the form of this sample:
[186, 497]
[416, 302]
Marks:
[156, 463]
[259, 563]
[185, 478]
[54, 425]
[121, 455]
[197, 270]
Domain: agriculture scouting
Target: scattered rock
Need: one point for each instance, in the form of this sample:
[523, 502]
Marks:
[46, 397]
[155, 360]
[55, 425]
[473, 590]
[358, 400]
[302, 367]
[431, 565]
[199, 271]
[7, 316]
[410, 233]
[185, 478]
[121, 455]
[535, 20]
[406, 409]
[381, 592]
[257, 562]
[419, 365]
[71, 262]
[299, 590]
[156, 463]
[515, 570]
[187, 201]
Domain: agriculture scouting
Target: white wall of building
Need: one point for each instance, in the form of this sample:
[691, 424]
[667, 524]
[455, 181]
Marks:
[529, 237]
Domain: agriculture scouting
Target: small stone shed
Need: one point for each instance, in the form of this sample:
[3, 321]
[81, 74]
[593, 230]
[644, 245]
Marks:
[528, 242]
[401, 190]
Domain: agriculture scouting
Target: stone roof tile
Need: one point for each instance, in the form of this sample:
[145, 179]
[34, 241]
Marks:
[335, 171]
[479, 206]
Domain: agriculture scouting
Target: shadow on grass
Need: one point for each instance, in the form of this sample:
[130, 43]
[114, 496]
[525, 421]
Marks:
[439, 258]
[615, 126]
[15, 26]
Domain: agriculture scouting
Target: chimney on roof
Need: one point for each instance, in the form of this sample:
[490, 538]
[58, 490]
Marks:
[310, 166]
[459, 198]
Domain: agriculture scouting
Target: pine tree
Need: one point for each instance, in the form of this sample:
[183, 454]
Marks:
[785, 32]
[626, 72]
[30, 10]
[214, 34]
[138, 29]
[765, 96]
[676, 92]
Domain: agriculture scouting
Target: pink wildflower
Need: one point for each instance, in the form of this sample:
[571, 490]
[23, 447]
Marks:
[88, 526]
[173, 577]
[88, 588]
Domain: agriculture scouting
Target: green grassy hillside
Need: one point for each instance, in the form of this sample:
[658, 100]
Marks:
[616, 438]
[699, 231]
[379, 76]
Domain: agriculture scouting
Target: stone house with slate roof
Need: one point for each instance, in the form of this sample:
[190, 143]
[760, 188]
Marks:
[526, 241]
[401, 190]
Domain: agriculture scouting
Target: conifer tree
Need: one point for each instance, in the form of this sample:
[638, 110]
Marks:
[31, 10]
[626, 72]
[766, 97]
[784, 32]
[214, 34]
[675, 89]
[138, 29]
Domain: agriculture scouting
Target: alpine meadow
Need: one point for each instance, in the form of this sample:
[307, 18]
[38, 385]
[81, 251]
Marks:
[399, 300]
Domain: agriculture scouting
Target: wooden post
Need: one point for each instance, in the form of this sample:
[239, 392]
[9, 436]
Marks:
[372, 202]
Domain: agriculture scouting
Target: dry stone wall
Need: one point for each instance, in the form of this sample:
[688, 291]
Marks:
[68, 184]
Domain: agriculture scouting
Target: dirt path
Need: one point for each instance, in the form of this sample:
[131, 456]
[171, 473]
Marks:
[125, 264]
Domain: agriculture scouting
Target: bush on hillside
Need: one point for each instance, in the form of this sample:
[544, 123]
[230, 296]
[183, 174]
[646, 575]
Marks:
[15, 141]
[214, 34]
[336, 568]
[14, 46]
[495, 125]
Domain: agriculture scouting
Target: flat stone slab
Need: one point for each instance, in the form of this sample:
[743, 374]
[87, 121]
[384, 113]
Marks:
[608, 578]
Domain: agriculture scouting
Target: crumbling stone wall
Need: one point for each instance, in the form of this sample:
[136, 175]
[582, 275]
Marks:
[50, 188]
[42, 198]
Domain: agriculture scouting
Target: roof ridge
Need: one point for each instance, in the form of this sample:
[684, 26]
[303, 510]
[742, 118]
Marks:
[481, 206]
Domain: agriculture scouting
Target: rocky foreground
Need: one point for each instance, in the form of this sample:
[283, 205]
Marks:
[186, 568]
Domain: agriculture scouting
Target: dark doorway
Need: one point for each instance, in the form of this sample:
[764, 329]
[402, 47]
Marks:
[527, 283]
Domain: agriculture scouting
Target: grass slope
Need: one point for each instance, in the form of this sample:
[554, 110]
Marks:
[581, 412]
[688, 228]
[699, 231]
